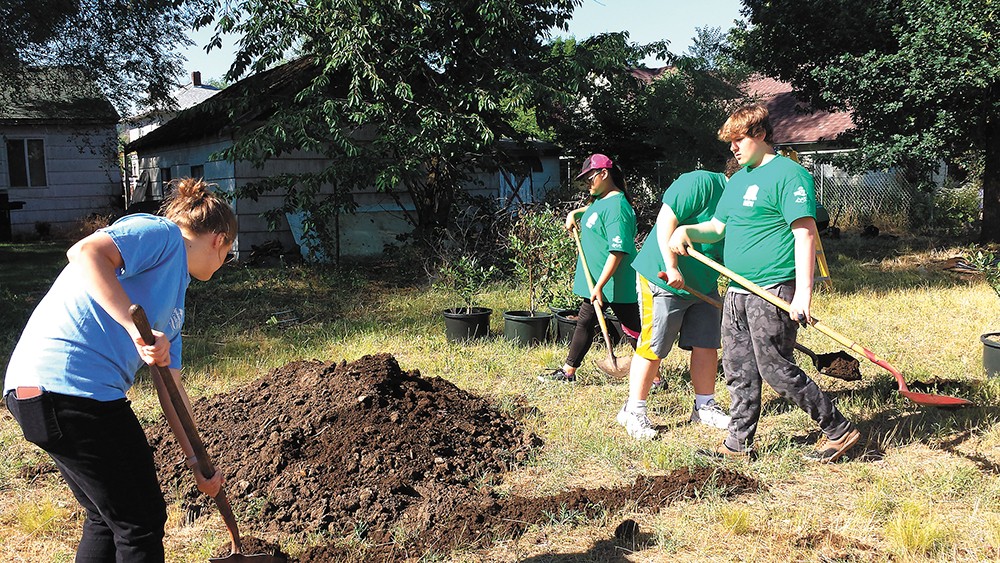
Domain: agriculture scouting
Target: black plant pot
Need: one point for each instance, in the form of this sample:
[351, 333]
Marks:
[991, 353]
[526, 329]
[460, 324]
[565, 324]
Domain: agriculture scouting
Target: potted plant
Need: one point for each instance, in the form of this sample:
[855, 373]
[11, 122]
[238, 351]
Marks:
[467, 277]
[533, 256]
[987, 263]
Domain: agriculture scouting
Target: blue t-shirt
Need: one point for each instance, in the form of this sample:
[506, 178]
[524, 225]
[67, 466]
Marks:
[72, 346]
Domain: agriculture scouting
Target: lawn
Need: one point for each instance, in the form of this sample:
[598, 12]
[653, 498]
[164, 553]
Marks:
[925, 488]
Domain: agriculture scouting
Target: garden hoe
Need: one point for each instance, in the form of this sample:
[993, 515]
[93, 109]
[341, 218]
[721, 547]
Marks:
[205, 465]
[837, 364]
[919, 398]
[611, 365]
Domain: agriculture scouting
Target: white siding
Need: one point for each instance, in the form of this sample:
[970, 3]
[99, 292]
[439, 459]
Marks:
[82, 177]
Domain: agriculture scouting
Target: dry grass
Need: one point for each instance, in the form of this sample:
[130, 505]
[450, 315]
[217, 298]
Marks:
[926, 487]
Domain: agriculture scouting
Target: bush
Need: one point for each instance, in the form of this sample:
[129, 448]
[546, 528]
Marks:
[464, 276]
[542, 255]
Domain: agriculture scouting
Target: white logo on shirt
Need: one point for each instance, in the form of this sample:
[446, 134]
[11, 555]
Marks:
[800, 195]
[616, 242]
[177, 319]
[750, 196]
[592, 220]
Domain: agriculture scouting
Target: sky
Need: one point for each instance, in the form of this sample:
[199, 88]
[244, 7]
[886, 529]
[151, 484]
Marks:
[645, 20]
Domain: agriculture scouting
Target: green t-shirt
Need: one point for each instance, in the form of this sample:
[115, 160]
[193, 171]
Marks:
[692, 197]
[608, 225]
[758, 208]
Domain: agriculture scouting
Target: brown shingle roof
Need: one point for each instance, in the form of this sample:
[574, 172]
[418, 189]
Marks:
[791, 118]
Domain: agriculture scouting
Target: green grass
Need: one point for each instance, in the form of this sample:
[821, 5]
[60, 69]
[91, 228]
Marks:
[925, 488]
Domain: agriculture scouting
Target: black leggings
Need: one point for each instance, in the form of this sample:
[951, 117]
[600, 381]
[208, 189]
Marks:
[586, 328]
[102, 453]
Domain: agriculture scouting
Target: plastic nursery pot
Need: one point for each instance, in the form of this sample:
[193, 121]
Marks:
[462, 323]
[991, 353]
[526, 329]
[565, 324]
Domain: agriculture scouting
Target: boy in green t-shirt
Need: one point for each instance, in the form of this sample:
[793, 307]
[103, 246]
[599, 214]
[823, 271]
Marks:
[767, 215]
[668, 310]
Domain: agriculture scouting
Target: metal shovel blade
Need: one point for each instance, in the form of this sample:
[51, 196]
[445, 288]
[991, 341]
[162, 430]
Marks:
[942, 401]
[617, 368]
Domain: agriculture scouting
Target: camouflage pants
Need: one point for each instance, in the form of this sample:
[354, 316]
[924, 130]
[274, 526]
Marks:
[757, 343]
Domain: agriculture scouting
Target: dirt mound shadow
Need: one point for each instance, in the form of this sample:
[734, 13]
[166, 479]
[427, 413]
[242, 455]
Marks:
[369, 452]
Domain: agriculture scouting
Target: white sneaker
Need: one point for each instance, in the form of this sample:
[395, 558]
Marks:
[637, 425]
[711, 414]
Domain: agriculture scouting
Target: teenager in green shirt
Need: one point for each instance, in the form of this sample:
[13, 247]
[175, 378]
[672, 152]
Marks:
[767, 215]
[667, 311]
[607, 235]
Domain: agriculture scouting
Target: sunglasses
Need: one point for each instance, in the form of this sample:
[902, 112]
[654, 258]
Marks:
[590, 179]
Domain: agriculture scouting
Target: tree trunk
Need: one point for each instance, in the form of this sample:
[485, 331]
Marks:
[990, 231]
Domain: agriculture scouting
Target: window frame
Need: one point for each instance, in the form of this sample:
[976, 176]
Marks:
[31, 173]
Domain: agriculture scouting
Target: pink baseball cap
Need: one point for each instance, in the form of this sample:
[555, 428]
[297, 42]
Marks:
[594, 162]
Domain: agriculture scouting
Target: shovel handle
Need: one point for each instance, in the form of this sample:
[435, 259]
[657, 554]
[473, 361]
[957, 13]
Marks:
[205, 465]
[715, 303]
[784, 306]
[590, 286]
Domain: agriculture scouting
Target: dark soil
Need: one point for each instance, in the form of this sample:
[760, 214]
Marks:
[842, 368]
[367, 451]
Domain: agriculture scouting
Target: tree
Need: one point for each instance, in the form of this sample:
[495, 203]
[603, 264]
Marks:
[408, 97]
[920, 76]
[656, 124]
[128, 48]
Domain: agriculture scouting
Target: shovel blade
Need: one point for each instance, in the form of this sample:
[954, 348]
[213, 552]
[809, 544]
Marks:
[617, 368]
[257, 558]
[943, 401]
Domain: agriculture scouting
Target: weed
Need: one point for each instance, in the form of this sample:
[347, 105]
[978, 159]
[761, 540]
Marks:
[878, 500]
[735, 519]
[41, 517]
[914, 531]
[565, 516]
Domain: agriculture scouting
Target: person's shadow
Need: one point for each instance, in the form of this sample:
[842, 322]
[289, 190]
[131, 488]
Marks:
[605, 551]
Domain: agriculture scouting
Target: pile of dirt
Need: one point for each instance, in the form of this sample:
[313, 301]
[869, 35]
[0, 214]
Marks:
[339, 448]
[369, 451]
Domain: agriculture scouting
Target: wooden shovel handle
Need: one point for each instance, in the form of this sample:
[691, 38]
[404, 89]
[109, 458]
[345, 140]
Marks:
[590, 286]
[783, 305]
[205, 465]
[718, 305]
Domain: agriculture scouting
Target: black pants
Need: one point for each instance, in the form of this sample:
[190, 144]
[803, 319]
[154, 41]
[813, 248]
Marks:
[102, 453]
[586, 328]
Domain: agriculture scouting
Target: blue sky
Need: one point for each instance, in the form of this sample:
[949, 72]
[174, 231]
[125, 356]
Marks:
[645, 20]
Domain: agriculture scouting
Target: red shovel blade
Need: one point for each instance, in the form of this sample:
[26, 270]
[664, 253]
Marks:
[943, 401]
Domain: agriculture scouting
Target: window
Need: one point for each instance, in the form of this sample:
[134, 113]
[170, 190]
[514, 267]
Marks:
[198, 171]
[165, 178]
[26, 162]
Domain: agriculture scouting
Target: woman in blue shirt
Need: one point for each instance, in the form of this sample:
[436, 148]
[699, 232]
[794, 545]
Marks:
[78, 355]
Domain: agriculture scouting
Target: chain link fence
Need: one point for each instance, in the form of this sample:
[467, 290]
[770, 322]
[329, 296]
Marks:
[888, 199]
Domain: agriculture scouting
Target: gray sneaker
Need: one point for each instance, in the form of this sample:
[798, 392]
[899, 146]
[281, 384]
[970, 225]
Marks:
[637, 425]
[711, 414]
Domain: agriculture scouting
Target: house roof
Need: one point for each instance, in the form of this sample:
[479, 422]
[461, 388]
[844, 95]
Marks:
[238, 105]
[794, 122]
[187, 96]
[54, 95]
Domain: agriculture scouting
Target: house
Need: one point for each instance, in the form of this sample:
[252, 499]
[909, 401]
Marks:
[188, 95]
[59, 162]
[883, 195]
[189, 145]
[795, 124]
